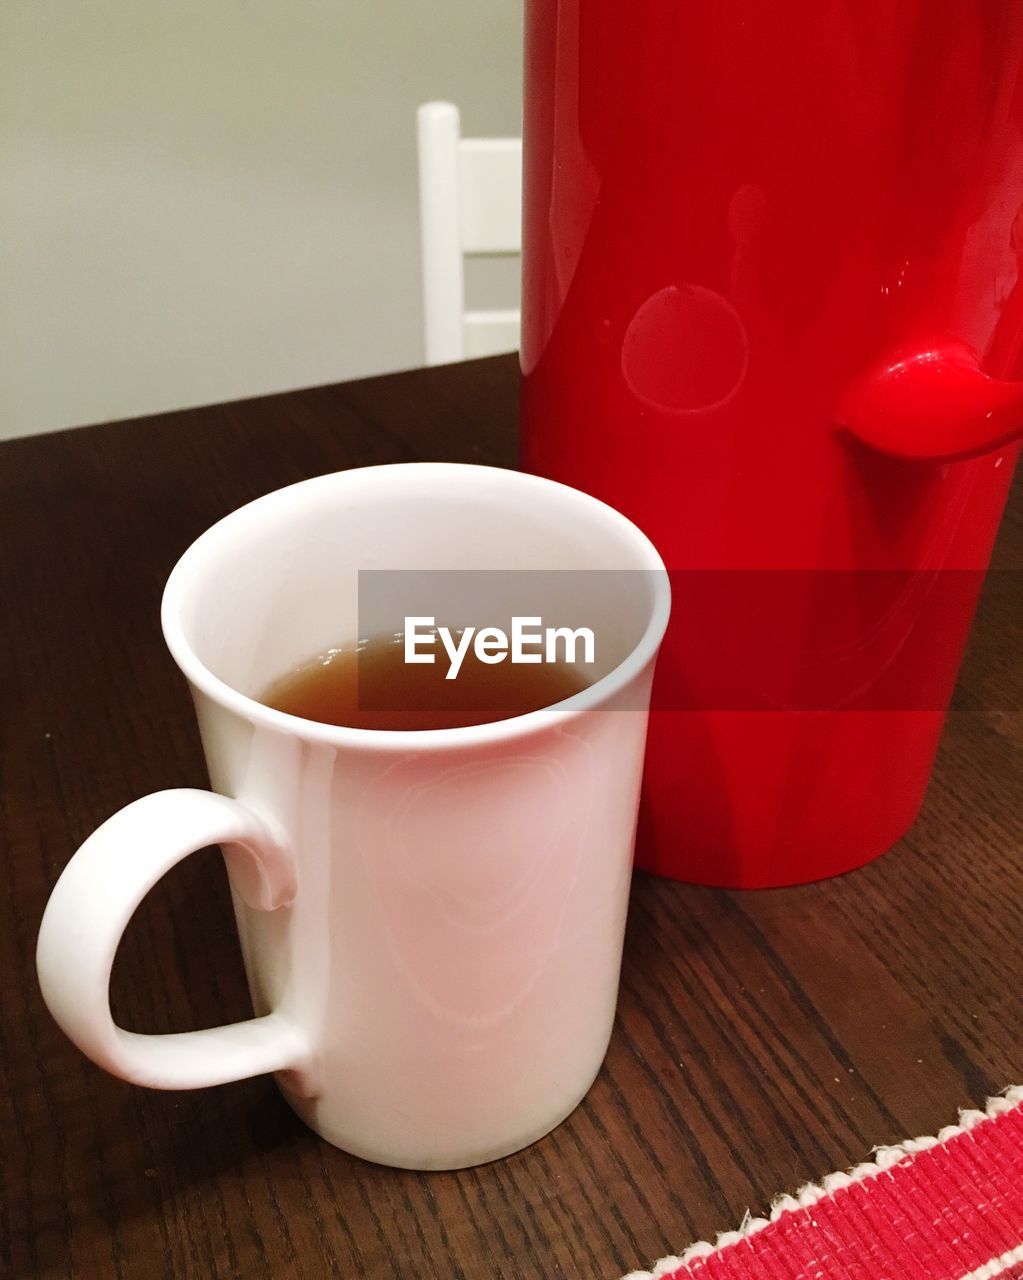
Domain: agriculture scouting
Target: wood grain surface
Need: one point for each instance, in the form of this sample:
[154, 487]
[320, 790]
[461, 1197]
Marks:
[763, 1039]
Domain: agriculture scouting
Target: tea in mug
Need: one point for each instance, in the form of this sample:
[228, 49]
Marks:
[369, 685]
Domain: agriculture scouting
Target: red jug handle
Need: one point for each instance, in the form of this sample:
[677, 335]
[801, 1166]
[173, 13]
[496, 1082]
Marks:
[934, 405]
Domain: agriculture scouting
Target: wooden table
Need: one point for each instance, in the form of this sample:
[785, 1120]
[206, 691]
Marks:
[763, 1038]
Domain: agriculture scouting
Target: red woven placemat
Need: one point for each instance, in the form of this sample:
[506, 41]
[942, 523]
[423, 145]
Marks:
[944, 1208]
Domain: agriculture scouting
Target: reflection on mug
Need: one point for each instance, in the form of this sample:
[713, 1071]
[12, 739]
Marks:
[471, 936]
[685, 350]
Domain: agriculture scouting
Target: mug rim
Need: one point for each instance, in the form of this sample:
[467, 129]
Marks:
[489, 731]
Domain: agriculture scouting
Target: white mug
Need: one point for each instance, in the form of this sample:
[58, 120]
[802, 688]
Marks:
[431, 921]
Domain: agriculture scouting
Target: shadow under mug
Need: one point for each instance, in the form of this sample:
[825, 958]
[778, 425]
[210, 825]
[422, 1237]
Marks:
[431, 921]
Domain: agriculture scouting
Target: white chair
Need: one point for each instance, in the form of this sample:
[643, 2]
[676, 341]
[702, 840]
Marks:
[470, 203]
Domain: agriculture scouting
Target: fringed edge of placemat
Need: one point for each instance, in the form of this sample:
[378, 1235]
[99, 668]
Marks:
[884, 1158]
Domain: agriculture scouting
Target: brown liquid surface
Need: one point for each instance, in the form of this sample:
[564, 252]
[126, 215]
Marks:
[372, 687]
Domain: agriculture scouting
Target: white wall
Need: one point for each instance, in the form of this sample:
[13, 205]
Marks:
[207, 199]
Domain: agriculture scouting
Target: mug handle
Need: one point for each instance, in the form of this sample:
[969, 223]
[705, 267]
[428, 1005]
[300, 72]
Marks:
[96, 896]
[933, 404]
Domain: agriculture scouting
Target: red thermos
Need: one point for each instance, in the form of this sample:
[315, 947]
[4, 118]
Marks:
[773, 312]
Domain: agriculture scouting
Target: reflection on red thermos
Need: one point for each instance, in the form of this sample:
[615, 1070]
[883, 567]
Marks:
[773, 311]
